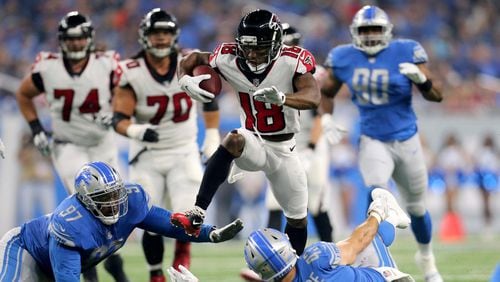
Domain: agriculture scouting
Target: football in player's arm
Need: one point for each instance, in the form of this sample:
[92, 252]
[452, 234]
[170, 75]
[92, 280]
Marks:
[272, 83]
[89, 226]
[380, 73]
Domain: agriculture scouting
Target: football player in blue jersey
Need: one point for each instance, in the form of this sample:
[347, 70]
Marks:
[89, 226]
[379, 73]
[363, 256]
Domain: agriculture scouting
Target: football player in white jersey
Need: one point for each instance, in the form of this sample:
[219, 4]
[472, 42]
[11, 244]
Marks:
[164, 155]
[273, 82]
[313, 153]
[77, 83]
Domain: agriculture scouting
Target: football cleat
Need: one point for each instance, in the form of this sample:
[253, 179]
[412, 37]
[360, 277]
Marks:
[428, 265]
[190, 220]
[395, 214]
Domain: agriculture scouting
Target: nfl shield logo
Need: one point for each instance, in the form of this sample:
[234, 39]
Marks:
[256, 82]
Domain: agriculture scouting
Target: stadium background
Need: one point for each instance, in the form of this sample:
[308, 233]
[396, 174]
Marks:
[462, 38]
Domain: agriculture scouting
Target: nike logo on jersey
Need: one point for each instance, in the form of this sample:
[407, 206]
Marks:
[292, 148]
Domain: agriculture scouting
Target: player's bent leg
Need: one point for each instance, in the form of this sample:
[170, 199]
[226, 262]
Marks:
[90, 275]
[297, 233]
[114, 266]
[182, 254]
[152, 245]
[323, 226]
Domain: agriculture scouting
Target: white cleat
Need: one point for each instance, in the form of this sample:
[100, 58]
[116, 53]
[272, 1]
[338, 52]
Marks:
[396, 215]
[428, 265]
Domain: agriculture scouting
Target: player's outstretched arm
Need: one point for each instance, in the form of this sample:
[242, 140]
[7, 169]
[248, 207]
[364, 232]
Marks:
[158, 221]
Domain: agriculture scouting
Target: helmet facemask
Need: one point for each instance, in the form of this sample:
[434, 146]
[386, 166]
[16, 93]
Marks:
[156, 21]
[101, 190]
[371, 30]
[74, 27]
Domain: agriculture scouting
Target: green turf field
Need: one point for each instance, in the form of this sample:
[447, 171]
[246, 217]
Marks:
[469, 261]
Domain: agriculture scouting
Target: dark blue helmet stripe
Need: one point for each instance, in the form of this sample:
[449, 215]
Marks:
[104, 170]
[370, 13]
[264, 247]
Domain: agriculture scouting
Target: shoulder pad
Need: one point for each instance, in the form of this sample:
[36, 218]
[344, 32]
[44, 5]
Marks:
[42, 59]
[306, 63]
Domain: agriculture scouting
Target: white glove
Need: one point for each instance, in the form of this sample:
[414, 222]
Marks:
[270, 95]
[2, 149]
[412, 72]
[105, 120]
[42, 143]
[211, 142]
[378, 209]
[191, 84]
[143, 132]
[184, 275]
[227, 232]
[332, 131]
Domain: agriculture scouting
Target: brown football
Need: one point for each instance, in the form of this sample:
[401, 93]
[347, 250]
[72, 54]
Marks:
[212, 85]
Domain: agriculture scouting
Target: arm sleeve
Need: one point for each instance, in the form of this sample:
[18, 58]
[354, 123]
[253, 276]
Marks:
[419, 56]
[158, 221]
[65, 262]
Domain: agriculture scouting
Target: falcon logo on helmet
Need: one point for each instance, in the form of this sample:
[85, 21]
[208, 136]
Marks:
[157, 19]
[371, 30]
[75, 25]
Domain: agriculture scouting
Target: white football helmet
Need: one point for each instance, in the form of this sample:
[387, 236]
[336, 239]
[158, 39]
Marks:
[269, 253]
[101, 190]
[371, 16]
[75, 25]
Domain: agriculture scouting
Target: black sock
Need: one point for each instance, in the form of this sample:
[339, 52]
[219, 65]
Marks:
[275, 218]
[215, 174]
[298, 238]
[90, 275]
[323, 226]
[114, 266]
[153, 248]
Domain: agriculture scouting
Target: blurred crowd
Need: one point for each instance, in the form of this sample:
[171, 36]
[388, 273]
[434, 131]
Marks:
[462, 37]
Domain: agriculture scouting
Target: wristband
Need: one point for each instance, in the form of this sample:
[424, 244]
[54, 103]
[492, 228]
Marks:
[36, 126]
[426, 86]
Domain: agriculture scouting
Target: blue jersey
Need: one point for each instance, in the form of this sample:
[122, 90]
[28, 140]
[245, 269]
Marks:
[71, 239]
[383, 95]
[320, 263]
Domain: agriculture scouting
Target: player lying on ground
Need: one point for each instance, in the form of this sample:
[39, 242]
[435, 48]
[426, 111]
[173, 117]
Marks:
[363, 256]
[89, 226]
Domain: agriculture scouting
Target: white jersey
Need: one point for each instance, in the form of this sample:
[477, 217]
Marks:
[75, 99]
[161, 102]
[265, 118]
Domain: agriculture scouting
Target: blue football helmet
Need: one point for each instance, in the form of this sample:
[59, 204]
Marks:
[369, 17]
[269, 253]
[75, 25]
[101, 190]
